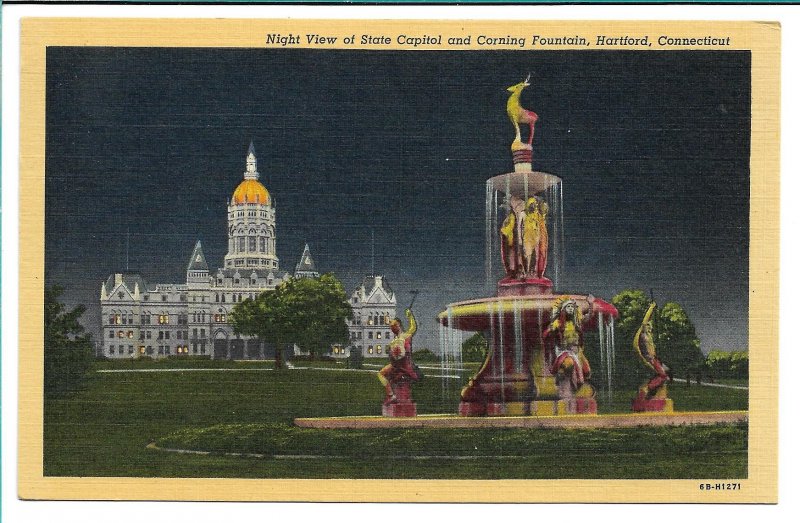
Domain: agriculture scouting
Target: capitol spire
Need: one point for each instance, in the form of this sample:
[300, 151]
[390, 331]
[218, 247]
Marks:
[251, 173]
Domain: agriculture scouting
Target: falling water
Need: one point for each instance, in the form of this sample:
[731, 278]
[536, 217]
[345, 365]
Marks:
[518, 342]
[449, 348]
[613, 349]
[539, 327]
[525, 186]
[602, 338]
[560, 220]
[607, 351]
[502, 351]
[610, 360]
[443, 359]
[458, 361]
[491, 213]
[603, 350]
[451, 341]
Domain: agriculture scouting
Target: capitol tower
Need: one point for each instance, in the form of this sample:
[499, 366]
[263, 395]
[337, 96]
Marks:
[251, 223]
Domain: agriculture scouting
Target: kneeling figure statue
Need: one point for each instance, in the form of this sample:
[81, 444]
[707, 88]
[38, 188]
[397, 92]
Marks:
[564, 339]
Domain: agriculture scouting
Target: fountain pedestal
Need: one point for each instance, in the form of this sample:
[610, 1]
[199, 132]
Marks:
[403, 406]
[657, 403]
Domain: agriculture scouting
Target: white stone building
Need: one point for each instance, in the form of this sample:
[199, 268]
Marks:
[190, 318]
[374, 306]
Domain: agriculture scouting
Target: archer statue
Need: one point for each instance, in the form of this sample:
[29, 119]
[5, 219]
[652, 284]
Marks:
[401, 368]
[645, 347]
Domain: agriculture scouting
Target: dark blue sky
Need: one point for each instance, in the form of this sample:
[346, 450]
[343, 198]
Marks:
[652, 147]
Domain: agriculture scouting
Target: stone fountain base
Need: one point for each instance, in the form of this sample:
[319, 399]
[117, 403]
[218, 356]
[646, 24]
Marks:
[575, 421]
[403, 406]
[555, 407]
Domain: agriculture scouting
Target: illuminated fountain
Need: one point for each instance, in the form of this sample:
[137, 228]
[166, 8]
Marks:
[535, 363]
[535, 373]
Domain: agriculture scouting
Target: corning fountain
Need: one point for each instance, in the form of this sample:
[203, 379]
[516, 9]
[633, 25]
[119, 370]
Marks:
[535, 363]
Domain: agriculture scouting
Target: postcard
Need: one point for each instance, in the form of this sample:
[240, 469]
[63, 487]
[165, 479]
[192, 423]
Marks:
[398, 261]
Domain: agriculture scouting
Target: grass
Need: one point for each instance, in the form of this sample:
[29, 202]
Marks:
[104, 431]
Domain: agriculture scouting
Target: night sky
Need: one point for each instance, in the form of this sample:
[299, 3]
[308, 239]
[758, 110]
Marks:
[652, 147]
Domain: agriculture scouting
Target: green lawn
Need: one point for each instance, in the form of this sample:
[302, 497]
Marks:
[104, 431]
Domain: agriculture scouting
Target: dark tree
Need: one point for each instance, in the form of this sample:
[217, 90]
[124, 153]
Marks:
[310, 312]
[676, 341]
[68, 353]
[631, 305]
[474, 349]
[322, 308]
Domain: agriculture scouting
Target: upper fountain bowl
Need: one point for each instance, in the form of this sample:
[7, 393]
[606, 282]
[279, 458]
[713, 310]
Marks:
[523, 184]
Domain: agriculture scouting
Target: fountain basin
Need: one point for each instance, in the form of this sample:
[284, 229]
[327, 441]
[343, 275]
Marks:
[482, 314]
[516, 378]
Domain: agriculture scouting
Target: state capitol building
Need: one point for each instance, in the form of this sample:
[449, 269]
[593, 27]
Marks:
[191, 318]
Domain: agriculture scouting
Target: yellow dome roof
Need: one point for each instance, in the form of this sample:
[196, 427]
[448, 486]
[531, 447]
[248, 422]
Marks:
[251, 191]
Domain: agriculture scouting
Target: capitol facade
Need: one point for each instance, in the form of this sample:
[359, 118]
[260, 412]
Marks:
[191, 318]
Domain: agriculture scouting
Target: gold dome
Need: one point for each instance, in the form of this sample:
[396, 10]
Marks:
[251, 191]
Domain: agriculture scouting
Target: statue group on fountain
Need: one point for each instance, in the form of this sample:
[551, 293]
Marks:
[564, 345]
[524, 239]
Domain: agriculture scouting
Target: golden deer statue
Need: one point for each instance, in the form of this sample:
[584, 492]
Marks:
[517, 113]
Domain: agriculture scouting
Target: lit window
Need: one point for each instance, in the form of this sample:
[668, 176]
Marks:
[120, 334]
[141, 350]
[130, 334]
[379, 349]
[369, 350]
[117, 319]
[378, 335]
[163, 319]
